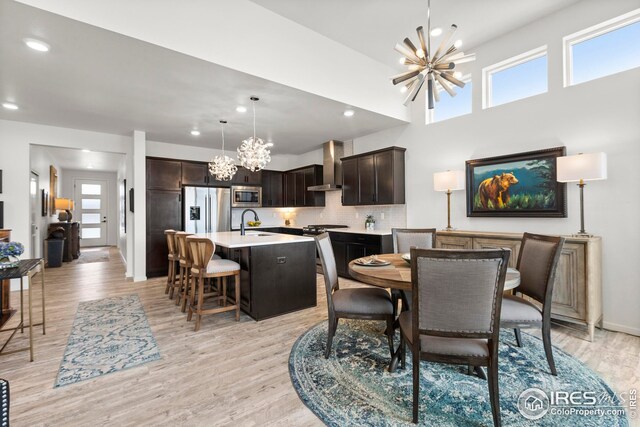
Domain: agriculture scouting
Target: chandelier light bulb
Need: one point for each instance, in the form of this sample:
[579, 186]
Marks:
[436, 32]
[458, 43]
[420, 53]
[402, 61]
[403, 89]
[457, 75]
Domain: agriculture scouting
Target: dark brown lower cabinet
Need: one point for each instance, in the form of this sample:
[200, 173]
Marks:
[350, 246]
[164, 212]
[71, 249]
[275, 279]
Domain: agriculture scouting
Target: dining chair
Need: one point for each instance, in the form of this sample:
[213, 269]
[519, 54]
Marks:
[353, 303]
[455, 315]
[537, 263]
[204, 267]
[172, 257]
[403, 240]
[184, 263]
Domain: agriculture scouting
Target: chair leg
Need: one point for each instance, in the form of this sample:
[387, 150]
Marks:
[200, 302]
[170, 277]
[494, 394]
[394, 301]
[180, 292]
[179, 281]
[185, 292]
[333, 326]
[224, 291]
[390, 332]
[416, 385]
[403, 352]
[516, 331]
[548, 349]
[192, 296]
[236, 280]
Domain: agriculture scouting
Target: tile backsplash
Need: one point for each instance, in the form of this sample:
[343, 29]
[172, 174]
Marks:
[332, 213]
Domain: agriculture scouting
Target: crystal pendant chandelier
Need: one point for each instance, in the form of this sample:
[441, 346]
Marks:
[426, 65]
[253, 153]
[222, 167]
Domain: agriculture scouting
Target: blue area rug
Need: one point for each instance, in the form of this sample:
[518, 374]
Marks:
[108, 335]
[353, 387]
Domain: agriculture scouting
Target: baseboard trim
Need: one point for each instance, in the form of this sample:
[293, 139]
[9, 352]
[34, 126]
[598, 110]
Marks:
[621, 328]
[140, 278]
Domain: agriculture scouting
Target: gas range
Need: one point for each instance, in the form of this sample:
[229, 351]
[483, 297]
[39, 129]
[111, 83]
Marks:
[317, 229]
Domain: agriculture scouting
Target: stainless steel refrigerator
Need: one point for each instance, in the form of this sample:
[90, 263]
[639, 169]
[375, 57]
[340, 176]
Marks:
[207, 209]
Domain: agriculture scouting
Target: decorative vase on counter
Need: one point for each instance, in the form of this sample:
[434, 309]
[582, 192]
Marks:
[9, 253]
[369, 223]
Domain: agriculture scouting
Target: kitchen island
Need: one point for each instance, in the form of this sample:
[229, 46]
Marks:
[278, 271]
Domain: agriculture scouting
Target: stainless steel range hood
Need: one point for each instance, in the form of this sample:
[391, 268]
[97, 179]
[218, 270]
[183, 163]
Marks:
[332, 151]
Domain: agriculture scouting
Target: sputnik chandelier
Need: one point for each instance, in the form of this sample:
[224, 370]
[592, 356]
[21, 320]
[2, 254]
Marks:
[222, 167]
[426, 65]
[253, 153]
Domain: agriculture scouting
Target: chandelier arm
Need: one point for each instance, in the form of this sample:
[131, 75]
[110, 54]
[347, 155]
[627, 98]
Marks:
[449, 51]
[411, 46]
[442, 66]
[406, 52]
[444, 85]
[466, 58]
[405, 76]
[417, 84]
[423, 45]
[430, 92]
[445, 40]
[436, 92]
[452, 79]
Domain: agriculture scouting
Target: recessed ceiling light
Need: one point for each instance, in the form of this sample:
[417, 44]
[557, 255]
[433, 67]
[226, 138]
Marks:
[458, 43]
[90, 167]
[436, 32]
[38, 45]
[86, 151]
[9, 106]
[241, 109]
[195, 132]
[348, 113]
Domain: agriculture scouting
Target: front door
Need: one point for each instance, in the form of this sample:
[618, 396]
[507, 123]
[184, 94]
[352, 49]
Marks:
[91, 208]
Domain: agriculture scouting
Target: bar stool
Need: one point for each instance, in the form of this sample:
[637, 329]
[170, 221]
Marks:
[185, 262]
[203, 267]
[173, 259]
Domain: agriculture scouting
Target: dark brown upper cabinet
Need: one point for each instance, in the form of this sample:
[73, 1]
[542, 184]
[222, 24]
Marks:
[245, 177]
[164, 174]
[272, 189]
[296, 183]
[374, 178]
[195, 173]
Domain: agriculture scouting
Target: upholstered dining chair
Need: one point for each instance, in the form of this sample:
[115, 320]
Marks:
[537, 263]
[403, 240]
[354, 303]
[172, 257]
[455, 317]
[204, 267]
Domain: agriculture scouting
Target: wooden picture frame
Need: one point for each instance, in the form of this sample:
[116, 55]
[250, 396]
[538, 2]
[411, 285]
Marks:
[53, 189]
[516, 185]
[44, 201]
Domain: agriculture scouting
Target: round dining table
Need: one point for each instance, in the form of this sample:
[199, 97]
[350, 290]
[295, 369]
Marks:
[397, 275]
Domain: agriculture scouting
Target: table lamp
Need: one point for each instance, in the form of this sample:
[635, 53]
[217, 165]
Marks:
[66, 205]
[581, 168]
[448, 181]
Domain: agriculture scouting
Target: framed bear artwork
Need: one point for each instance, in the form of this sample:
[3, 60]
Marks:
[516, 185]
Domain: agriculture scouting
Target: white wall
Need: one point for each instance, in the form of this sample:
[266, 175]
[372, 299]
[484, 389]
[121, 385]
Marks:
[69, 177]
[601, 115]
[16, 139]
[40, 161]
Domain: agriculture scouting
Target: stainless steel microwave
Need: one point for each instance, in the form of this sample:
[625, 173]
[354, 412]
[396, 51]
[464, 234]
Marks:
[243, 196]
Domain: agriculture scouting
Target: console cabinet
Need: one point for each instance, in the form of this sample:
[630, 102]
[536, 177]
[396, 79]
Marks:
[71, 249]
[577, 290]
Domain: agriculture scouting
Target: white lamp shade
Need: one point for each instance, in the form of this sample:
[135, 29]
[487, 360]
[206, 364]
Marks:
[449, 180]
[586, 167]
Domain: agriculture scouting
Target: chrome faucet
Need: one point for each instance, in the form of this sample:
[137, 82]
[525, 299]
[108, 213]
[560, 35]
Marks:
[255, 218]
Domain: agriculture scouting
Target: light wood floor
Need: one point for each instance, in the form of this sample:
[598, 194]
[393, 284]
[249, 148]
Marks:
[226, 374]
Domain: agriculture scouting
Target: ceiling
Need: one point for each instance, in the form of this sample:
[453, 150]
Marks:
[69, 158]
[98, 80]
[373, 27]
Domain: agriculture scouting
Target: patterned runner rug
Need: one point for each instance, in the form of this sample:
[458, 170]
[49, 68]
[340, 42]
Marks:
[108, 335]
[354, 388]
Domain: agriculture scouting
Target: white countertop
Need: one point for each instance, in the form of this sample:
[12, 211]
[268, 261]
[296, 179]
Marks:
[233, 239]
[247, 227]
[382, 232]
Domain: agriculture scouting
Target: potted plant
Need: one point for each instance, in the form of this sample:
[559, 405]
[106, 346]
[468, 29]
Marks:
[369, 223]
[9, 253]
